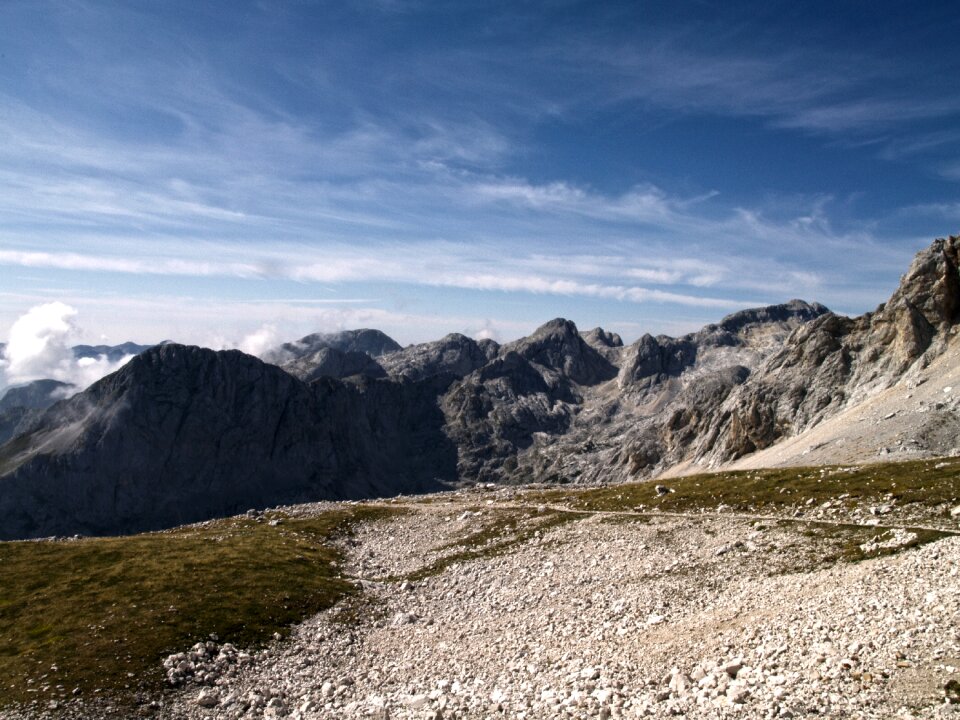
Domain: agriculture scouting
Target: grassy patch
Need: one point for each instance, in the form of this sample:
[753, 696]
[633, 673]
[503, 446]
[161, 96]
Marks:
[506, 531]
[828, 544]
[919, 483]
[99, 614]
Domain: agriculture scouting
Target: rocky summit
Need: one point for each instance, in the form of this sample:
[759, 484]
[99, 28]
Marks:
[182, 434]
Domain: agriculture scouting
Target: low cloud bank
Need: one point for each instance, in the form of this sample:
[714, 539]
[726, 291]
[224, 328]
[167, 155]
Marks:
[39, 346]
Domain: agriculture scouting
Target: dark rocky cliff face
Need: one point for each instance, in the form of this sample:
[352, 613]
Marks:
[182, 434]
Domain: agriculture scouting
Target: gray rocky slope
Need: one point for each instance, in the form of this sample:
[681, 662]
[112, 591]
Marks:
[835, 362]
[182, 433]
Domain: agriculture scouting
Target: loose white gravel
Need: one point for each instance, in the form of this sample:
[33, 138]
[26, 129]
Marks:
[607, 617]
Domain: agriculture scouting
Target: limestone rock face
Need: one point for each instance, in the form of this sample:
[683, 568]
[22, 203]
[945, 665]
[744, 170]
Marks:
[833, 362]
[494, 413]
[532, 389]
[665, 399]
[599, 338]
[557, 346]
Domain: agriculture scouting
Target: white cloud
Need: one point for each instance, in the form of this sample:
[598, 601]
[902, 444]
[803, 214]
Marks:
[39, 347]
[37, 344]
[152, 266]
[260, 341]
[541, 285]
[641, 204]
[489, 331]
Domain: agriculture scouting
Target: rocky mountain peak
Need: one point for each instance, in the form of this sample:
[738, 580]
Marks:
[330, 362]
[932, 284]
[794, 312]
[372, 342]
[454, 354]
[598, 337]
[834, 362]
[557, 345]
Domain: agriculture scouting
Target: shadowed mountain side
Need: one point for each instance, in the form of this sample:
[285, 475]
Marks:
[21, 405]
[15, 421]
[182, 434]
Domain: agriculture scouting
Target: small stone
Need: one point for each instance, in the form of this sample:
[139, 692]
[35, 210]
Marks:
[679, 684]
[737, 693]
[732, 667]
[416, 702]
[207, 699]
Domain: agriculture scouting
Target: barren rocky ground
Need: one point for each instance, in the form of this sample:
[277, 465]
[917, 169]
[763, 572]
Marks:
[497, 604]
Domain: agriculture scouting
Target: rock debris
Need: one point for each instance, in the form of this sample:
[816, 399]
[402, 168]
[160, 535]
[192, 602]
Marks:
[604, 617]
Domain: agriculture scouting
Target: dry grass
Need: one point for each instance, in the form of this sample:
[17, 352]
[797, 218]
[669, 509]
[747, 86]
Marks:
[919, 483]
[99, 614]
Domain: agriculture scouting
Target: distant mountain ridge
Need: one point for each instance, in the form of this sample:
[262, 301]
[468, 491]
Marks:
[20, 403]
[182, 433]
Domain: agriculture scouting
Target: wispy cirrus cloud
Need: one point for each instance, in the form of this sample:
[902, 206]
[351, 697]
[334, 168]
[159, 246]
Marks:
[449, 266]
[504, 161]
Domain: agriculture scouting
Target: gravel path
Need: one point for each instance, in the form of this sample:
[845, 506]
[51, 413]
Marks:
[576, 615]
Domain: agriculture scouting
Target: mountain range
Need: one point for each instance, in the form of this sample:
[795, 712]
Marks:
[182, 433]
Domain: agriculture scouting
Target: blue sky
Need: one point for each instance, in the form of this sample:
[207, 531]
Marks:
[205, 171]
